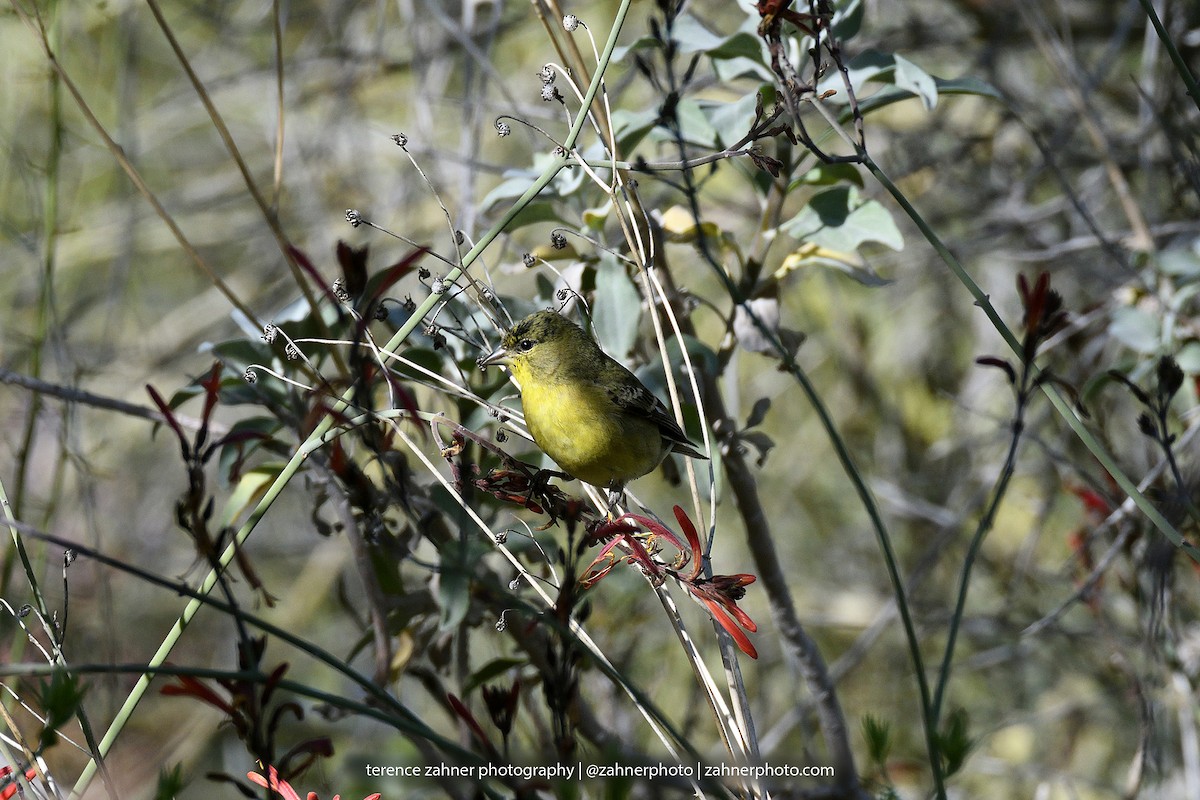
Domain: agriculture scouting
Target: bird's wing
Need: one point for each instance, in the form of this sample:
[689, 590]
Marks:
[633, 398]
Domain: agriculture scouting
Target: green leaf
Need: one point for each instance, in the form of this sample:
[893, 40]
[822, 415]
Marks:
[731, 69]
[632, 126]
[873, 65]
[1179, 261]
[833, 226]
[954, 743]
[60, 698]
[731, 121]
[839, 219]
[170, 783]
[904, 80]
[694, 124]
[894, 94]
[916, 80]
[740, 45]
[828, 175]
[700, 354]
[866, 66]
[968, 85]
[249, 490]
[517, 181]
[1135, 329]
[490, 671]
[617, 308]
[453, 595]
[534, 213]
[692, 37]
[1188, 358]
[264, 427]
[653, 376]
[878, 735]
[513, 186]
[847, 20]
[750, 336]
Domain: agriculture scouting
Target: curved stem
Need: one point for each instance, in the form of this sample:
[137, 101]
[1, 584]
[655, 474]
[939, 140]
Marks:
[890, 562]
[985, 525]
[1181, 66]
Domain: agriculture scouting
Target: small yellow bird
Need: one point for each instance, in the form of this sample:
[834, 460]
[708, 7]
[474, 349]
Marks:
[584, 410]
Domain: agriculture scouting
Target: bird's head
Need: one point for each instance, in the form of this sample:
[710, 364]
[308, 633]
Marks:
[541, 346]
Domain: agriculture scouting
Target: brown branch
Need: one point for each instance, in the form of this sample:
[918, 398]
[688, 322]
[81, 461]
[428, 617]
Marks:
[800, 650]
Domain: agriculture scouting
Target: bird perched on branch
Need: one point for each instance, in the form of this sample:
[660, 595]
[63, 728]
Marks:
[586, 411]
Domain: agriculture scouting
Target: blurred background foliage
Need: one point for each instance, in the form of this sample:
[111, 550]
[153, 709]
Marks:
[1062, 141]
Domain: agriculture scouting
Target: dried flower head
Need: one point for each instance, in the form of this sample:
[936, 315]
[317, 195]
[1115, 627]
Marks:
[503, 128]
[339, 291]
[400, 139]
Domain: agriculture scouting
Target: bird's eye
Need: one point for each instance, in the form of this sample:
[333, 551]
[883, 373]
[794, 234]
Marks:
[525, 345]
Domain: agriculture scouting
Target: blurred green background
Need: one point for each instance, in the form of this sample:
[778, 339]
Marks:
[1087, 169]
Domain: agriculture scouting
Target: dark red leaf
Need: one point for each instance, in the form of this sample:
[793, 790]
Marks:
[307, 265]
[170, 417]
[353, 261]
[397, 271]
[1001, 364]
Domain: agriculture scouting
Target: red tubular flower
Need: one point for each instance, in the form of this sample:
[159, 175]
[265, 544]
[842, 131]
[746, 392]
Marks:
[8, 789]
[719, 594]
[282, 788]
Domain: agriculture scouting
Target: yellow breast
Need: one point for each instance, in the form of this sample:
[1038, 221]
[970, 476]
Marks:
[587, 435]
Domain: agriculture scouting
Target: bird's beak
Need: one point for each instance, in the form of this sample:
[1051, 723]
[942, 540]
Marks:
[497, 356]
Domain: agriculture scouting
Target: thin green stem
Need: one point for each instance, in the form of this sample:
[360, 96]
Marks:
[986, 522]
[890, 562]
[1165, 441]
[1189, 80]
